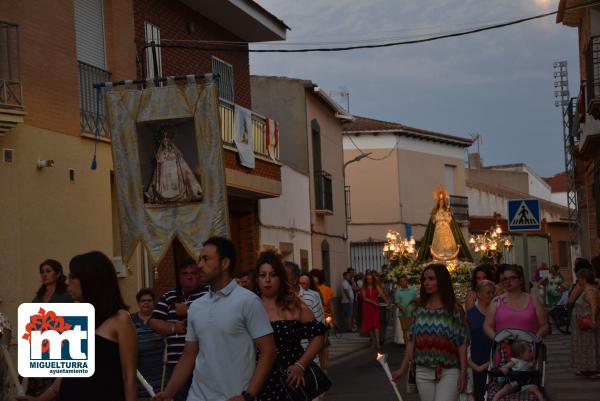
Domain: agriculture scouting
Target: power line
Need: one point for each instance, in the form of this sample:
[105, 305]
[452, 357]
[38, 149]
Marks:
[369, 46]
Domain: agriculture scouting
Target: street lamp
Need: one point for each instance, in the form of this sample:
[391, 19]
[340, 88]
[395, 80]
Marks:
[356, 159]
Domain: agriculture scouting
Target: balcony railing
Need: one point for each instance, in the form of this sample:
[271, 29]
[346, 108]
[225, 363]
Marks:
[88, 76]
[593, 76]
[323, 193]
[459, 206]
[11, 94]
[259, 130]
[573, 120]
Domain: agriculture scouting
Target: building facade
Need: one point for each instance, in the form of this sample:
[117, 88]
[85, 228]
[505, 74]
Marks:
[310, 126]
[408, 163]
[55, 205]
[584, 123]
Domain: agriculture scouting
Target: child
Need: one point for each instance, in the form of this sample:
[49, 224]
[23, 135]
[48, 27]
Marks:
[522, 361]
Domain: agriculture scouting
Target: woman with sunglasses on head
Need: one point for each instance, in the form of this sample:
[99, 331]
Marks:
[52, 290]
[515, 308]
[92, 279]
[438, 336]
[292, 321]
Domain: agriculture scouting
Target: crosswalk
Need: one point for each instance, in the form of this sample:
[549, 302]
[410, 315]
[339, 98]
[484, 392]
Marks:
[561, 382]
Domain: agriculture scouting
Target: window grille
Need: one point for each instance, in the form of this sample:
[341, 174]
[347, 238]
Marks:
[225, 81]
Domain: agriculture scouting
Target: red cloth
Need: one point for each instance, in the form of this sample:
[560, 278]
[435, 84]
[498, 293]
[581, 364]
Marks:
[371, 318]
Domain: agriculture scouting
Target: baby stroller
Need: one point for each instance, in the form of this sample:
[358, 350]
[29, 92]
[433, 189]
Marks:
[501, 354]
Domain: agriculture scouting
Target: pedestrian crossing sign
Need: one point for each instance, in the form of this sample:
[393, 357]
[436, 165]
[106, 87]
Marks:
[524, 215]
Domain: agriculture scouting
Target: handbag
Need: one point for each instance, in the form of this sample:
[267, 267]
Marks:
[585, 323]
[316, 382]
[411, 383]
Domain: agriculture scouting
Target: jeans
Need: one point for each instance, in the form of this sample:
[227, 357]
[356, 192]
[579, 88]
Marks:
[446, 389]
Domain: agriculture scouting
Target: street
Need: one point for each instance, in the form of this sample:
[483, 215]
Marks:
[359, 376]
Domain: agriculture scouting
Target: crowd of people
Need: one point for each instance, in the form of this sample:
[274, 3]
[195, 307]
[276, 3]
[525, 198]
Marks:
[262, 334]
[258, 336]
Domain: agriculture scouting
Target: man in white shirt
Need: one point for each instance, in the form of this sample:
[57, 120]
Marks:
[224, 329]
[347, 300]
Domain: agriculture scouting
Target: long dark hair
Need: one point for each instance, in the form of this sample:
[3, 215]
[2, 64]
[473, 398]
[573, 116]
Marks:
[61, 281]
[485, 268]
[286, 297]
[99, 285]
[444, 286]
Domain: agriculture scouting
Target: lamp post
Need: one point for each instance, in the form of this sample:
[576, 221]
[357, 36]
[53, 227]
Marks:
[356, 159]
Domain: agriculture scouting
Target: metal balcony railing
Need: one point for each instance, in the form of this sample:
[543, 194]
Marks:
[88, 76]
[259, 129]
[459, 206]
[573, 121]
[323, 192]
[593, 76]
[11, 93]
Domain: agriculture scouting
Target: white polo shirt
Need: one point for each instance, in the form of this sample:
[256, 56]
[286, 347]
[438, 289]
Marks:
[225, 324]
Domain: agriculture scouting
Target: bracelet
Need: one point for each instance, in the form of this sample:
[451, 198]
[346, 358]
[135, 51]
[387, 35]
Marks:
[300, 366]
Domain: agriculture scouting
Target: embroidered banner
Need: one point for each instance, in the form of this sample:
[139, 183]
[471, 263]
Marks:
[168, 163]
[243, 136]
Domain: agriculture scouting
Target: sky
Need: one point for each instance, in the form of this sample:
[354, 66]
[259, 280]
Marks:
[498, 83]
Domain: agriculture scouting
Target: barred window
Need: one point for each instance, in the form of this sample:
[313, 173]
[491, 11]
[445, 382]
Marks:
[152, 34]
[225, 81]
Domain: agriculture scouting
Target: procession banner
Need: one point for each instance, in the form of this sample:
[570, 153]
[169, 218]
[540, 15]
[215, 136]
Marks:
[243, 136]
[168, 165]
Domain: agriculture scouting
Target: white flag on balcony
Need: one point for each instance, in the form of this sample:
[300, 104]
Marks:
[243, 136]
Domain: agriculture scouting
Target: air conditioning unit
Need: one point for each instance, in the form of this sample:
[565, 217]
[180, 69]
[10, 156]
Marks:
[120, 267]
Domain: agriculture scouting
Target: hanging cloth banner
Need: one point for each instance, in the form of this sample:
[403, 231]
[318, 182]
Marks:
[272, 127]
[242, 135]
[168, 166]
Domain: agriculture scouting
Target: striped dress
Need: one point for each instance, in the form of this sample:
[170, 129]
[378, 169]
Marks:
[438, 335]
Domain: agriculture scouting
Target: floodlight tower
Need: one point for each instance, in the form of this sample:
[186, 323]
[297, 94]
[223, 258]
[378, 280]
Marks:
[561, 95]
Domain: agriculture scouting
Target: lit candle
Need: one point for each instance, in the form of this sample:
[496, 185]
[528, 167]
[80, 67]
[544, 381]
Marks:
[381, 358]
[145, 384]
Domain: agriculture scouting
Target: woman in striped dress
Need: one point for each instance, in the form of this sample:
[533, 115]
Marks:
[438, 336]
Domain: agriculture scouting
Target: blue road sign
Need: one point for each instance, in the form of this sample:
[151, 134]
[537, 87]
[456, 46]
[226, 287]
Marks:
[524, 215]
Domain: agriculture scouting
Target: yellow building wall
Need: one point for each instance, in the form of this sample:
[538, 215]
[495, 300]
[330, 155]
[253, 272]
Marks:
[45, 215]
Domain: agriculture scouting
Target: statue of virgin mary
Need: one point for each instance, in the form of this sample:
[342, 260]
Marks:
[173, 181]
[443, 240]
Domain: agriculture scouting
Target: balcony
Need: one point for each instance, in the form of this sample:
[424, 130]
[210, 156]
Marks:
[323, 193]
[90, 123]
[593, 76]
[259, 131]
[459, 206]
[11, 93]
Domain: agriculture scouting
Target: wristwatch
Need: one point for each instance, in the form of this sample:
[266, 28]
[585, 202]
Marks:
[247, 396]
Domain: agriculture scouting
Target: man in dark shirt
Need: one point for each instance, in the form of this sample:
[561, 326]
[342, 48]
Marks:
[170, 315]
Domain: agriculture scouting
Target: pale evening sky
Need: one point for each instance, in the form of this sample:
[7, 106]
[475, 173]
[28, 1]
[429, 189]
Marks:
[497, 83]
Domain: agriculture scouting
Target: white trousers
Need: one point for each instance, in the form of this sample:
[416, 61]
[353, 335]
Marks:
[446, 389]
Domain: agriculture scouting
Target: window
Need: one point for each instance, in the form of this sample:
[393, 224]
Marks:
[152, 34]
[449, 172]
[225, 81]
[89, 32]
[91, 60]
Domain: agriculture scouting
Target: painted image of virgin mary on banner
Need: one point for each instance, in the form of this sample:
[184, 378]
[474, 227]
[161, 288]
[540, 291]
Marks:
[173, 181]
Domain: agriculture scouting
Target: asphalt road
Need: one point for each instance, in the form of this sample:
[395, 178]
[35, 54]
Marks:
[360, 377]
